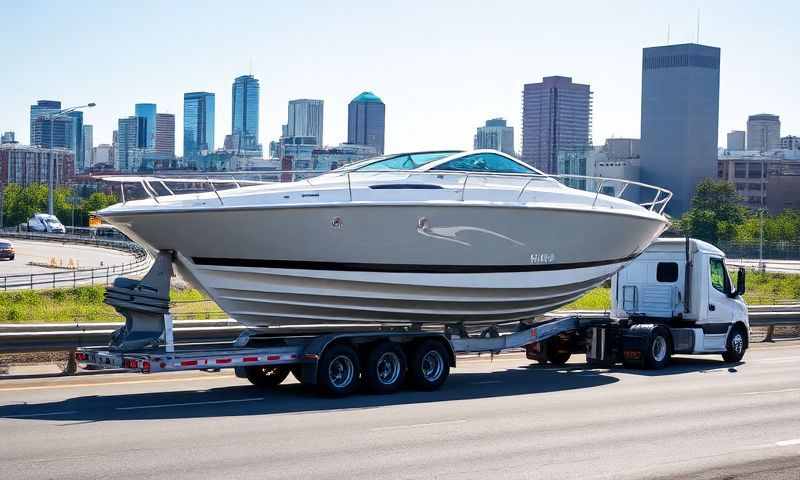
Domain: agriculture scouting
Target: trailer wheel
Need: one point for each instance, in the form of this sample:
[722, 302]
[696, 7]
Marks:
[736, 345]
[429, 366]
[338, 371]
[385, 371]
[266, 376]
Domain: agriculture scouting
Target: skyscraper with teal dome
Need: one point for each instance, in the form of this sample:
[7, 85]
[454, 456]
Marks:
[366, 117]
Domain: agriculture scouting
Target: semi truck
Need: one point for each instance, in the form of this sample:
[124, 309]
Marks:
[675, 298]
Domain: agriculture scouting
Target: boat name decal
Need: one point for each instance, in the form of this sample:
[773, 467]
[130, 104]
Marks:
[542, 258]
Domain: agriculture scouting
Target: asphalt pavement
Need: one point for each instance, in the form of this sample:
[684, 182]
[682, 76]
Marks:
[494, 418]
[84, 256]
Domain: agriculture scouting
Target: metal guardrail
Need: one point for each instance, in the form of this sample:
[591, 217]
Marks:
[56, 337]
[96, 275]
[661, 196]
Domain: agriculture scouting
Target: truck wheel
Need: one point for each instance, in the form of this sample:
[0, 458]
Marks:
[556, 351]
[736, 345]
[651, 347]
[658, 352]
[338, 371]
[429, 366]
[385, 371]
[266, 376]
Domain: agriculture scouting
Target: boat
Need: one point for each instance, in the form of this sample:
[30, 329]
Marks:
[441, 237]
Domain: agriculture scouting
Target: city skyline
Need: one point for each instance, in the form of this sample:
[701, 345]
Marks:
[414, 98]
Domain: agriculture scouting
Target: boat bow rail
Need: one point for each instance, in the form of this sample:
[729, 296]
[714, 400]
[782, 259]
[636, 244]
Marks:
[156, 186]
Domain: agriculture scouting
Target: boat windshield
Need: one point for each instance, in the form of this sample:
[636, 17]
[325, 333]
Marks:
[406, 161]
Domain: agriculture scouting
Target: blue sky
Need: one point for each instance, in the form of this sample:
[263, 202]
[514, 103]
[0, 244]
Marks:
[441, 67]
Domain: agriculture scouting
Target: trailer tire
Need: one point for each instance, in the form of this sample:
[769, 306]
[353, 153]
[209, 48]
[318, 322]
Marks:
[266, 376]
[735, 345]
[430, 366]
[338, 371]
[385, 370]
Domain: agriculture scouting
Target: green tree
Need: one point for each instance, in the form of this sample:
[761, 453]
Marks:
[96, 201]
[22, 202]
[716, 213]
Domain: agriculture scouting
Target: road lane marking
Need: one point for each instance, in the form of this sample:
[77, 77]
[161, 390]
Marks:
[417, 425]
[190, 404]
[486, 382]
[30, 415]
[767, 392]
[105, 384]
[787, 443]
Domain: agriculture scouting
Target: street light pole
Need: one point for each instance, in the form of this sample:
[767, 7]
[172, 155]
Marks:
[51, 161]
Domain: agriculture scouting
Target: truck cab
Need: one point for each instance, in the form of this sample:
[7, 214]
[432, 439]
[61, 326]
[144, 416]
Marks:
[684, 285]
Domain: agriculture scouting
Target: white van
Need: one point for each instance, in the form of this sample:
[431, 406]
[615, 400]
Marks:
[45, 223]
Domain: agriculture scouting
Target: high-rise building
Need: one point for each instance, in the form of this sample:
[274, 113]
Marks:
[8, 137]
[244, 121]
[763, 132]
[305, 119]
[103, 155]
[556, 115]
[789, 142]
[165, 136]
[129, 139]
[736, 141]
[75, 140]
[198, 123]
[495, 135]
[366, 121]
[41, 109]
[680, 117]
[115, 148]
[147, 111]
[88, 146]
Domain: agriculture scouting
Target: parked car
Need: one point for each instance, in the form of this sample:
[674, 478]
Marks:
[7, 249]
[45, 223]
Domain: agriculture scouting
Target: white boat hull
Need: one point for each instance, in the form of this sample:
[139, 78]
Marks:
[274, 297]
[432, 262]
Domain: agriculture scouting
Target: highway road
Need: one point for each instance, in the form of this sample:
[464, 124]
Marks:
[85, 256]
[500, 418]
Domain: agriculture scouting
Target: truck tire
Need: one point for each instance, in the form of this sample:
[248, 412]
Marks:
[556, 351]
[385, 370]
[266, 376]
[655, 347]
[429, 367]
[338, 371]
[658, 355]
[736, 345]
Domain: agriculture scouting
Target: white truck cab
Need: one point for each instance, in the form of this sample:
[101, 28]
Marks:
[684, 285]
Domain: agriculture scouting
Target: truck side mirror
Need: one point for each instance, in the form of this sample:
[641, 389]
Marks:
[740, 282]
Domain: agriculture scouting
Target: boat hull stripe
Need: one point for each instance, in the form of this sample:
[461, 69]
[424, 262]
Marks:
[398, 268]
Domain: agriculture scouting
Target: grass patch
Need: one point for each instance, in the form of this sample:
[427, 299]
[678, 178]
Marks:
[85, 304]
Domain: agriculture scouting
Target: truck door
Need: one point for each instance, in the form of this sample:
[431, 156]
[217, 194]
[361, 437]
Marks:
[719, 314]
